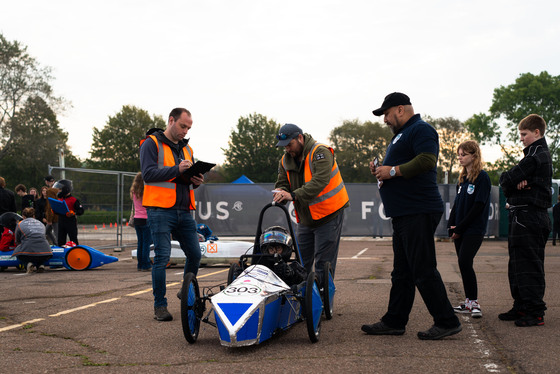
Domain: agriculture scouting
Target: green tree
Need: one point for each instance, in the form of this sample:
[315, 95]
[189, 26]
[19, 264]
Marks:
[356, 144]
[451, 133]
[539, 94]
[21, 79]
[252, 150]
[115, 147]
[36, 141]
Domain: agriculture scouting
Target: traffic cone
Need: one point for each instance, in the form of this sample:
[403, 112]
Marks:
[127, 223]
[110, 224]
[115, 225]
[95, 227]
[103, 224]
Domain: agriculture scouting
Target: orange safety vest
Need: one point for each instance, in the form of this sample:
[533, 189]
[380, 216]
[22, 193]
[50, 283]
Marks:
[334, 195]
[163, 194]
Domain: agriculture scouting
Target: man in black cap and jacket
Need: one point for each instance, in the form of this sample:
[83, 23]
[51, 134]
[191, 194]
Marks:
[410, 195]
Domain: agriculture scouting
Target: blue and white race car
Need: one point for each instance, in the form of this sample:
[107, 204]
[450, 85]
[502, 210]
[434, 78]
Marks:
[257, 303]
[79, 257]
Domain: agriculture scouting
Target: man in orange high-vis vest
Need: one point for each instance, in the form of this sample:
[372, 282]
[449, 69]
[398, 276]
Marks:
[309, 176]
[164, 155]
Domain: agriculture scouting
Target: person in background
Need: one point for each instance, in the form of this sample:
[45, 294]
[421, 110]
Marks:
[411, 198]
[40, 213]
[52, 219]
[141, 224]
[468, 220]
[68, 223]
[8, 222]
[26, 199]
[7, 198]
[527, 188]
[32, 246]
[555, 220]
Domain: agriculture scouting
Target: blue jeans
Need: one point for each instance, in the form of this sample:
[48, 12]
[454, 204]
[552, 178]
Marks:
[143, 249]
[319, 245]
[164, 223]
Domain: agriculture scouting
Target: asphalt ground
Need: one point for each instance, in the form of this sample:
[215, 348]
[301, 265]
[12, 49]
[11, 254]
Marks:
[102, 320]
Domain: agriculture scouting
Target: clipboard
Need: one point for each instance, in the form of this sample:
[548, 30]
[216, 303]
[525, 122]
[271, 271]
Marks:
[58, 206]
[199, 167]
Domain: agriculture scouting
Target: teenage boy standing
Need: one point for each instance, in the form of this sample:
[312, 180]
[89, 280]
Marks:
[527, 189]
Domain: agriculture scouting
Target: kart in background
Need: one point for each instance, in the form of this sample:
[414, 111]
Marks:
[214, 251]
[79, 257]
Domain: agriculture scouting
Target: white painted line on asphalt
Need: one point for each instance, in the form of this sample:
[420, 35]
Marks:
[360, 253]
[100, 302]
[21, 324]
[176, 283]
[480, 345]
[83, 307]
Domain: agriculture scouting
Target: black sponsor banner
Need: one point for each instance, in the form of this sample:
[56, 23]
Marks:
[234, 209]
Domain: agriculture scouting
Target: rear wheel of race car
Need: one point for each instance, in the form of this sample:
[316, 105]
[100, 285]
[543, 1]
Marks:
[234, 271]
[78, 258]
[328, 291]
[192, 308]
[313, 307]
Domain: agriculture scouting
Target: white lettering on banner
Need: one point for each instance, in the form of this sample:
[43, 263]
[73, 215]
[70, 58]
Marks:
[220, 208]
[494, 212]
[447, 210]
[208, 210]
[291, 210]
[382, 212]
[366, 208]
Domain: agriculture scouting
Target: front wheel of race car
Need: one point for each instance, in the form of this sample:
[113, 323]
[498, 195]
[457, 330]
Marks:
[192, 308]
[328, 290]
[313, 307]
[234, 271]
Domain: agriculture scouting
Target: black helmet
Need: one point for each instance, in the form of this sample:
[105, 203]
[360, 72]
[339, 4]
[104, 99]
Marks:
[276, 236]
[10, 220]
[65, 187]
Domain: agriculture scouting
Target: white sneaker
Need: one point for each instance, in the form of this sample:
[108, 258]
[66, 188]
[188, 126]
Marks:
[31, 268]
[463, 308]
[476, 312]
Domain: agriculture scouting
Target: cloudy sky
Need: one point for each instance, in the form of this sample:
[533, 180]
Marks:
[314, 63]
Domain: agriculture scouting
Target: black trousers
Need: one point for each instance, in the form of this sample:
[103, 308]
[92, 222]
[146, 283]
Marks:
[414, 265]
[528, 233]
[67, 226]
[467, 248]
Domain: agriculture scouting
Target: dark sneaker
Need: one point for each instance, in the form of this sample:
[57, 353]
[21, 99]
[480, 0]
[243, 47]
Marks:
[511, 315]
[435, 333]
[161, 314]
[528, 321]
[380, 328]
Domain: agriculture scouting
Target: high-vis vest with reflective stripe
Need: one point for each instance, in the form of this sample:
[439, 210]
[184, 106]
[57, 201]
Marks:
[163, 194]
[334, 195]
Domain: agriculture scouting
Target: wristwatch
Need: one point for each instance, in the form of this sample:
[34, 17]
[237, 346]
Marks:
[393, 172]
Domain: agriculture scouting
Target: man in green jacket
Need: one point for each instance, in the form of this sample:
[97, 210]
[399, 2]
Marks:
[309, 176]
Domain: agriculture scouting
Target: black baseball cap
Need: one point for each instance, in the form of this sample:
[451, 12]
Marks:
[391, 100]
[287, 132]
[49, 178]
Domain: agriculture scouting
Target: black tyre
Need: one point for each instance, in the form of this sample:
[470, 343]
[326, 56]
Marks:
[328, 291]
[234, 271]
[313, 307]
[192, 308]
